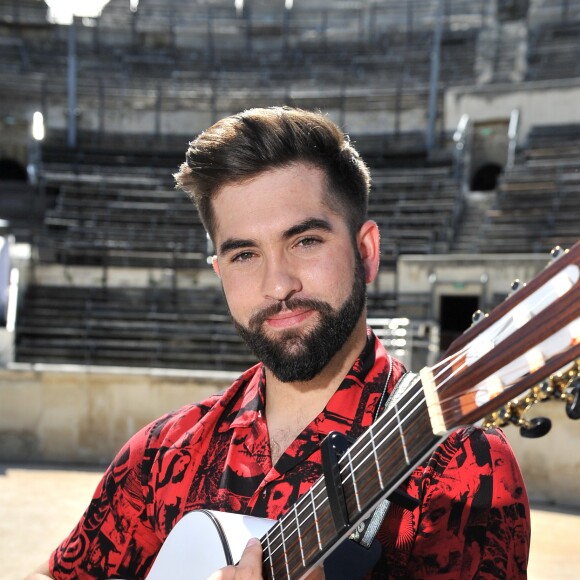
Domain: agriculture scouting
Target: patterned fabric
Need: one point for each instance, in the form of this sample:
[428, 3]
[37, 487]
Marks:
[472, 521]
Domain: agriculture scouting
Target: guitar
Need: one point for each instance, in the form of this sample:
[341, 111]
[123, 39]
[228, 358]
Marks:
[533, 333]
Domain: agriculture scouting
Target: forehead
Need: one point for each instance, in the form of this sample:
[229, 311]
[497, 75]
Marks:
[278, 198]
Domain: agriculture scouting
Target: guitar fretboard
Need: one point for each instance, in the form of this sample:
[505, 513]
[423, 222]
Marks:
[532, 334]
[370, 469]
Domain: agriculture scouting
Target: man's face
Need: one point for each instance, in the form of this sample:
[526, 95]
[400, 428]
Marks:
[292, 277]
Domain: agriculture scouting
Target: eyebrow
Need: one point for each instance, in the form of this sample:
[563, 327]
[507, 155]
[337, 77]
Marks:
[232, 244]
[309, 224]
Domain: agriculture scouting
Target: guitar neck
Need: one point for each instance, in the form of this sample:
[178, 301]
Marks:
[532, 334]
[370, 470]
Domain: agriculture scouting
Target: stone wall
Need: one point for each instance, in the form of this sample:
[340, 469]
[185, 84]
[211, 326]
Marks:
[539, 102]
[67, 414]
[550, 464]
[71, 414]
[482, 275]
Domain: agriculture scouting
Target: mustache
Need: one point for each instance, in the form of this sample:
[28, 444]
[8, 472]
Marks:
[261, 316]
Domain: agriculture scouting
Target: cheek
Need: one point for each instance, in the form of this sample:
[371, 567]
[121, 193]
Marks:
[241, 295]
[332, 281]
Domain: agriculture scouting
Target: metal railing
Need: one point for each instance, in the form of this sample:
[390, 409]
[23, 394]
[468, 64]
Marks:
[415, 343]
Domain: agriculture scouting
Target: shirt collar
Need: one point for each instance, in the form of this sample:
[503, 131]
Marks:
[367, 371]
[253, 404]
[351, 408]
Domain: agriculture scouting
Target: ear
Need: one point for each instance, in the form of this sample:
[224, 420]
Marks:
[368, 243]
[215, 265]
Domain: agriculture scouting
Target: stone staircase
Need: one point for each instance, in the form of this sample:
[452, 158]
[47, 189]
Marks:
[477, 204]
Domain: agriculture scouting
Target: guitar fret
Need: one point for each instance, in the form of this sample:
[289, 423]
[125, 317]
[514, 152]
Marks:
[355, 487]
[377, 465]
[402, 435]
[299, 532]
[268, 549]
[388, 444]
[284, 549]
[316, 521]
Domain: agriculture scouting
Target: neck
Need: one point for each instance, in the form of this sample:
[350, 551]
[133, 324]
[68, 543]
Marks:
[367, 472]
[290, 407]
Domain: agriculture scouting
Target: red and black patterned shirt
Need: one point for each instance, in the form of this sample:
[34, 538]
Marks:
[472, 518]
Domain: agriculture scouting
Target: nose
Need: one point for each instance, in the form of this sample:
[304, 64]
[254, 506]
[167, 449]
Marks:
[280, 280]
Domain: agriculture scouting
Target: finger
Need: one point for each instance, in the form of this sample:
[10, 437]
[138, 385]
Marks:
[250, 564]
[227, 573]
[223, 574]
[248, 568]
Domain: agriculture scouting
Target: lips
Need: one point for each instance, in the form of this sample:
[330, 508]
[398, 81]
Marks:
[287, 314]
[289, 318]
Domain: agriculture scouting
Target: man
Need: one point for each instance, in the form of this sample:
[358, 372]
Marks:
[283, 196]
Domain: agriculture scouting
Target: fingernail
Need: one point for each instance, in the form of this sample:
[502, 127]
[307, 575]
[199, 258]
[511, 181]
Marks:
[253, 541]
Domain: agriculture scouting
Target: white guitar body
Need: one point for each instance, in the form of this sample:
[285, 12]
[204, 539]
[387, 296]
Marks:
[200, 543]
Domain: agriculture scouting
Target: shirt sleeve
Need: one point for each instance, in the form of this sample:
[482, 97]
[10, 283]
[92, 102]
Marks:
[114, 538]
[473, 520]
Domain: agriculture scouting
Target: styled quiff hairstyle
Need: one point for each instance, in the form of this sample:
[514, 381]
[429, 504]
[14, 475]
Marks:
[239, 147]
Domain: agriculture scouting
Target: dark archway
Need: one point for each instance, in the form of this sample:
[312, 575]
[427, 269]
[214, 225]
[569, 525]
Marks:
[455, 317]
[485, 178]
[12, 170]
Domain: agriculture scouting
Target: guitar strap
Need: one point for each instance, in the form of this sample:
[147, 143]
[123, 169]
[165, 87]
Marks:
[367, 530]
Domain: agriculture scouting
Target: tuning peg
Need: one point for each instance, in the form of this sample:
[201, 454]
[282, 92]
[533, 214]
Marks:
[516, 285]
[573, 408]
[556, 252]
[543, 391]
[536, 427]
[573, 398]
[477, 316]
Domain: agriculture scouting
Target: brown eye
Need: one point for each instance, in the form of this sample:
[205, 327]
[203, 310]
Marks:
[305, 242]
[243, 257]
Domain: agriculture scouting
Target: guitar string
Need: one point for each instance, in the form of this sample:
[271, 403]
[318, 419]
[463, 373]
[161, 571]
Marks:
[539, 306]
[310, 497]
[501, 334]
[379, 439]
[507, 329]
[324, 499]
[275, 537]
[448, 363]
[275, 534]
[318, 493]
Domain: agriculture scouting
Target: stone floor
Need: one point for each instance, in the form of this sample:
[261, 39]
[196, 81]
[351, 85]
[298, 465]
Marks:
[40, 504]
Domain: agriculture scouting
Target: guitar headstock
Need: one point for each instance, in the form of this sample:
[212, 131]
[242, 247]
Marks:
[563, 386]
[533, 333]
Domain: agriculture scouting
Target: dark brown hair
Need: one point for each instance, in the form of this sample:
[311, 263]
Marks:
[241, 146]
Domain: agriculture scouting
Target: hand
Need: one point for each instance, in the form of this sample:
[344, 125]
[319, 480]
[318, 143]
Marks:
[248, 568]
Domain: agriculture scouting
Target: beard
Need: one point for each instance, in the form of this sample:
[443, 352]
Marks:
[298, 356]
